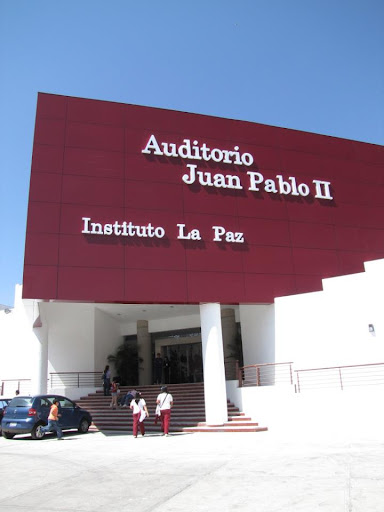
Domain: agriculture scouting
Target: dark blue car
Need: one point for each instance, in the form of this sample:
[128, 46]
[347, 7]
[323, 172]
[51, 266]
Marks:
[3, 405]
[27, 414]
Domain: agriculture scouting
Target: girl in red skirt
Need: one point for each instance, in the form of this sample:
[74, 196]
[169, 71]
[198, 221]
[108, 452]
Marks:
[140, 412]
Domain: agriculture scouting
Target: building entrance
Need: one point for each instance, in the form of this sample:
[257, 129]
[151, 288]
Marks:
[182, 363]
[181, 352]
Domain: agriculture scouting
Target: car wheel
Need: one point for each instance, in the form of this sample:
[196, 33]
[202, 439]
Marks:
[37, 433]
[84, 426]
[7, 435]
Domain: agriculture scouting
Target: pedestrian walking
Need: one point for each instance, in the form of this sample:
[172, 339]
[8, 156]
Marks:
[164, 404]
[139, 413]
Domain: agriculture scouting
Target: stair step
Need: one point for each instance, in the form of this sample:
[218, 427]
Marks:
[225, 429]
[233, 424]
[188, 414]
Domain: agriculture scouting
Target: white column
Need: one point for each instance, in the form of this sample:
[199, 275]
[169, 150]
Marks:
[40, 380]
[33, 314]
[216, 410]
[144, 353]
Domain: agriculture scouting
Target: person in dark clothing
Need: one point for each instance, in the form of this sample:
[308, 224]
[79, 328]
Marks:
[158, 368]
[106, 377]
[167, 367]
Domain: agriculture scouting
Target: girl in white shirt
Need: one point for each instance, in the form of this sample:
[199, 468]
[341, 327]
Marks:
[165, 402]
[139, 412]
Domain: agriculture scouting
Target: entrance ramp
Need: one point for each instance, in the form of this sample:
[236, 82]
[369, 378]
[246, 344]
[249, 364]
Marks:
[188, 412]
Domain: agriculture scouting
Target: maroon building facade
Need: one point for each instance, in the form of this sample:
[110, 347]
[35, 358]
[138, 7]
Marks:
[132, 204]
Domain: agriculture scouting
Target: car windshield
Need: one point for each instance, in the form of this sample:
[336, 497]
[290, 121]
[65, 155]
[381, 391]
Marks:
[21, 401]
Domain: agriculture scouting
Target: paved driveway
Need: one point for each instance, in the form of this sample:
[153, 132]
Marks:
[261, 472]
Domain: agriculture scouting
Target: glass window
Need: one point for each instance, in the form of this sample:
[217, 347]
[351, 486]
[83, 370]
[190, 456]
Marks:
[21, 402]
[65, 403]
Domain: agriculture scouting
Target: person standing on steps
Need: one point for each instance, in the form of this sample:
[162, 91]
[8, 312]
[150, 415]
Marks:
[114, 392]
[164, 403]
[158, 368]
[106, 378]
[167, 367]
[139, 412]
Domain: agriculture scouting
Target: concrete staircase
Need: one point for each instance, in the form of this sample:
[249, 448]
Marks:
[188, 412]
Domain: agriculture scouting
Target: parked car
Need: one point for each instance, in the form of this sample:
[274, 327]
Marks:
[27, 414]
[3, 404]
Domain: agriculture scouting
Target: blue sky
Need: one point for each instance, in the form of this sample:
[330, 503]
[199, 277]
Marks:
[314, 65]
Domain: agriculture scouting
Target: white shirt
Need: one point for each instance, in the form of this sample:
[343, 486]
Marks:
[165, 400]
[137, 407]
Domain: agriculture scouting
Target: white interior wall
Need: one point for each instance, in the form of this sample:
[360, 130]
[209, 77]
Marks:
[71, 333]
[162, 342]
[107, 338]
[128, 328]
[258, 333]
[173, 324]
[163, 324]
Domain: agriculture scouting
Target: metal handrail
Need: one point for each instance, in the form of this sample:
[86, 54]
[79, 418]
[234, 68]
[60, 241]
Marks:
[340, 377]
[8, 387]
[266, 374]
[76, 379]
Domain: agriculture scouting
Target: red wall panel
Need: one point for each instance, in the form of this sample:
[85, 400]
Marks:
[47, 159]
[50, 131]
[88, 164]
[95, 136]
[88, 190]
[94, 162]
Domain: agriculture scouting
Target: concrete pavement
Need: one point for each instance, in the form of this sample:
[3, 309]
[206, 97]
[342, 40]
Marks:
[263, 472]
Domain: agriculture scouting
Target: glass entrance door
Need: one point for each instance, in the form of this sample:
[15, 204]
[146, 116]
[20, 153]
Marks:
[182, 363]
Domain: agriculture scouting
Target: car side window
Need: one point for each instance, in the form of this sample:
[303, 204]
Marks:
[44, 403]
[66, 404]
[51, 399]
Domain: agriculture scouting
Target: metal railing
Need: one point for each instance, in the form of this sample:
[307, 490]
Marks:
[76, 379]
[8, 387]
[268, 374]
[340, 377]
